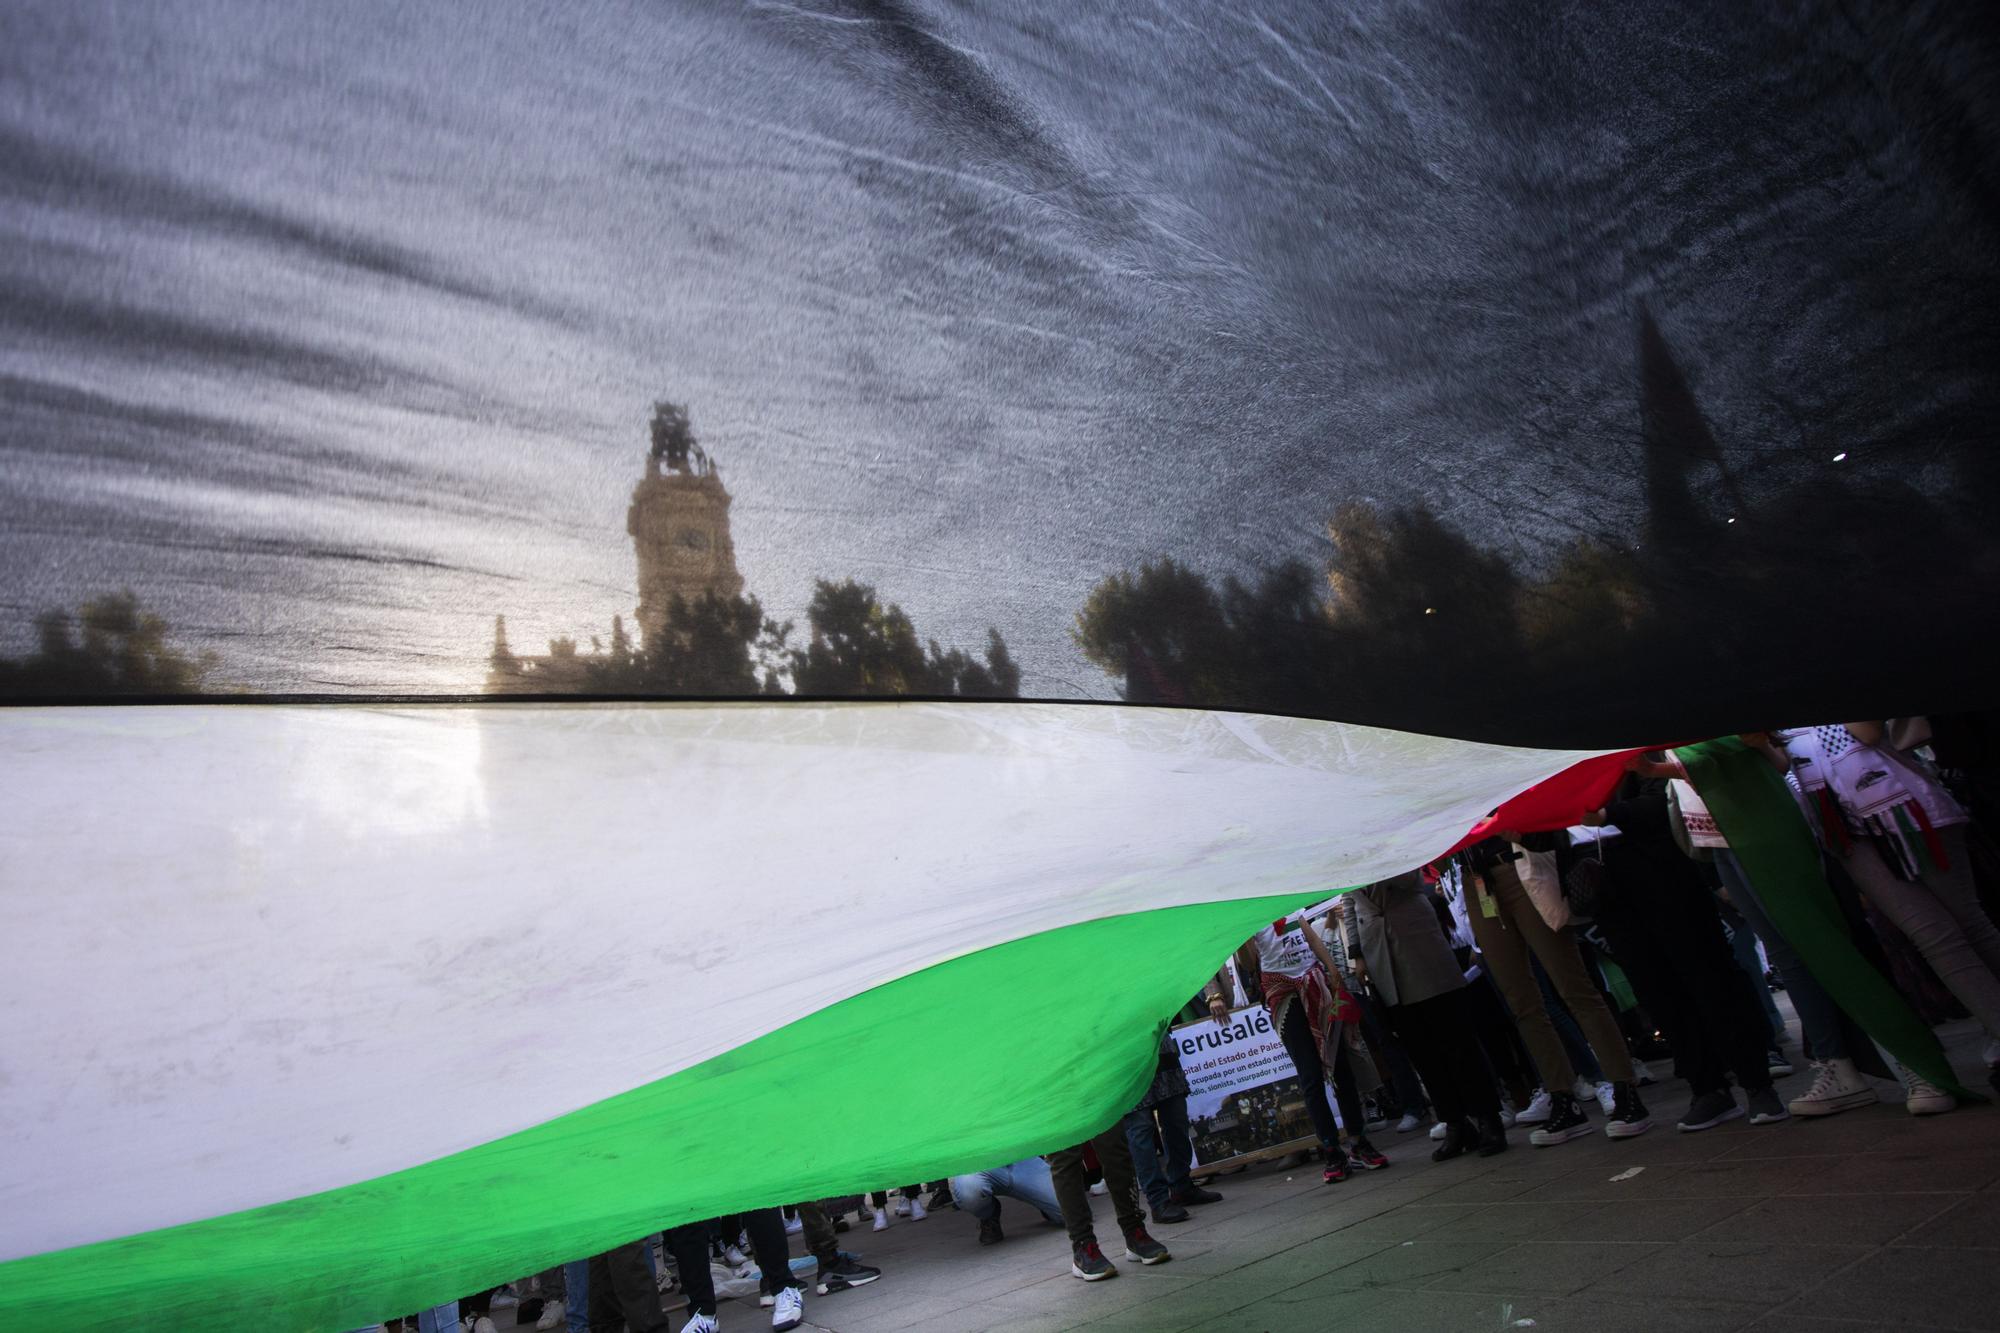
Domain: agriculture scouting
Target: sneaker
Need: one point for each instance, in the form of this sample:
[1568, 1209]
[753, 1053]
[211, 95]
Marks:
[1363, 1154]
[1508, 1118]
[1537, 1111]
[1710, 1109]
[1492, 1135]
[1100, 1189]
[881, 1220]
[1927, 1098]
[1777, 1063]
[1438, 1131]
[1627, 1117]
[505, 1299]
[840, 1223]
[1335, 1169]
[902, 1206]
[766, 1299]
[1170, 1213]
[990, 1233]
[843, 1274]
[1583, 1089]
[1195, 1194]
[1142, 1247]
[1607, 1097]
[790, 1311]
[917, 1213]
[1765, 1106]
[478, 1323]
[1641, 1075]
[1088, 1262]
[735, 1258]
[1837, 1086]
[700, 1323]
[1409, 1124]
[554, 1315]
[1566, 1121]
[793, 1226]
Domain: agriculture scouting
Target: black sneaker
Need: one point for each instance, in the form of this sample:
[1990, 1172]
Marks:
[1710, 1109]
[1492, 1135]
[1362, 1153]
[1567, 1120]
[845, 1273]
[940, 1198]
[1336, 1166]
[1171, 1212]
[1195, 1194]
[989, 1231]
[1088, 1262]
[1458, 1136]
[1142, 1247]
[1628, 1118]
[1766, 1108]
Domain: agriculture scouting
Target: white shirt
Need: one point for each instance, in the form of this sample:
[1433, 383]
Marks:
[1285, 953]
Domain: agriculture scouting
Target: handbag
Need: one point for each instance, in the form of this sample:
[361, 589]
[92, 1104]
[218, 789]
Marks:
[1589, 879]
[1537, 873]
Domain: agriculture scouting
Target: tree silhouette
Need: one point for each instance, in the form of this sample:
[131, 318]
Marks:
[113, 645]
[860, 647]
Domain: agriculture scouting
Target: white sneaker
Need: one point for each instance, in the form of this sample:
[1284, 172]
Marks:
[700, 1323]
[1642, 1075]
[1927, 1098]
[881, 1220]
[790, 1310]
[506, 1298]
[902, 1207]
[735, 1257]
[1837, 1086]
[1607, 1097]
[1409, 1124]
[1536, 1113]
[1583, 1090]
[793, 1226]
[478, 1323]
[917, 1213]
[553, 1313]
[1100, 1188]
[1438, 1130]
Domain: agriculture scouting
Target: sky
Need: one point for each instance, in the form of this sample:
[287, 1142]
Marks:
[332, 331]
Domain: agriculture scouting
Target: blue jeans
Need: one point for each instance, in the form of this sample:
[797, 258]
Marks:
[1161, 1174]
[1028, 1180]
[442, 1319]
[1819, 1016]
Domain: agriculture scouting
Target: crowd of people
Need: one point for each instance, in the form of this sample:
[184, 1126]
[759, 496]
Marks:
[1523, 983]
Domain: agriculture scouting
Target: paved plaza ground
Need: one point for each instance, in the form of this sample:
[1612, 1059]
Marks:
[1873, 1219]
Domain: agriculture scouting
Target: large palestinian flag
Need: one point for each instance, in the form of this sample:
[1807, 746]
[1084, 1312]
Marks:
[616, 614]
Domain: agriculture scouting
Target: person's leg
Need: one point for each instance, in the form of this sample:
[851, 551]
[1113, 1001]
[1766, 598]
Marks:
[576, 1295]
[768, 1244]
[1743, 947]
[689, 1246]
[1301, 1045]
[1072, 1191]
[1505, 950]
[1498, 1040]
[440, 1319]
[1558, 955]
[1918, 911]
[817, 1230]
[1957, 888]
[1114, 1154]
[973, 1193]
[1819, 1016]
[1403, 1078]
[1414, 1029]
[1574, 1046]
[1176, 1146]
[1346, 1092]
[1032, 1181]
[1138, 1130]
[623, 1293]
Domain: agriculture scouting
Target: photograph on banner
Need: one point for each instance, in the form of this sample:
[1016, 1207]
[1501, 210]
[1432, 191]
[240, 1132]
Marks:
[1243, 1093]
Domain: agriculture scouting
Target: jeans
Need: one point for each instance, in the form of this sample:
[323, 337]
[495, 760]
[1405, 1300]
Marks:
[1819, 1016]
[1162, 1174]
[441, 1319]
[1029, 1180]
[1302, 1044]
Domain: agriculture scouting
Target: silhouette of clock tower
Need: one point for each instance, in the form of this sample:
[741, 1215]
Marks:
[679, 522]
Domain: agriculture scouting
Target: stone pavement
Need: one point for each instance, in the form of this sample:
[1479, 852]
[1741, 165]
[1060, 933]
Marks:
[1874, 1219]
